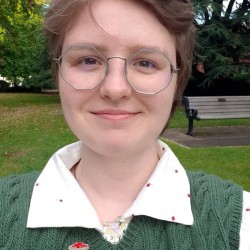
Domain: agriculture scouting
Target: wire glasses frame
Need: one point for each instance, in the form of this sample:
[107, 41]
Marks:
[147, 71]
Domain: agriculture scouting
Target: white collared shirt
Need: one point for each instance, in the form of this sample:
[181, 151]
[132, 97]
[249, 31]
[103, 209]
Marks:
[56, 193]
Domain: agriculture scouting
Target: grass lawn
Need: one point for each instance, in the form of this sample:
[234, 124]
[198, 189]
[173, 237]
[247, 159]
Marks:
[32, 128]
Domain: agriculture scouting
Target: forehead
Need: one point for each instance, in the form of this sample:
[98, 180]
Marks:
[121, 25]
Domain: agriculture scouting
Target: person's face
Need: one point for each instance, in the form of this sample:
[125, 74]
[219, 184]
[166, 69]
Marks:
[113, 119]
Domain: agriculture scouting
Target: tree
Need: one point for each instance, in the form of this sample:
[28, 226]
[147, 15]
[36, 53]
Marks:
[223, 39]
[23, 53]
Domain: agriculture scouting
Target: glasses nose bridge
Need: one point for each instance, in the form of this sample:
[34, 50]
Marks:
[116, 57]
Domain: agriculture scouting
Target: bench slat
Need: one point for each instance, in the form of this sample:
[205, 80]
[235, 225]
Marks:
[241, 107]
[224, 115]
[216, 98]
[216, 102]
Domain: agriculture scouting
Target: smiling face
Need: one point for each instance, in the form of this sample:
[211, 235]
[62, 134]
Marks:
[113, 119]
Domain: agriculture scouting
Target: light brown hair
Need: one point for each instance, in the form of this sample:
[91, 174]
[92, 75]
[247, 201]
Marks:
[176, 15]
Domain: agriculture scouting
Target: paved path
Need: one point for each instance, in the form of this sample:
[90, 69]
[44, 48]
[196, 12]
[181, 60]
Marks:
[211, 136]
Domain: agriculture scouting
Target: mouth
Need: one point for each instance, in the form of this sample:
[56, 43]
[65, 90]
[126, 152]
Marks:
[114, 114]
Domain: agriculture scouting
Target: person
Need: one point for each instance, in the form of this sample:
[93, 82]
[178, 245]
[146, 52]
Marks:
[121, 67]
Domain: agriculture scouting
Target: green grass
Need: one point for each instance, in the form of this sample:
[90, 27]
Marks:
[32, 128]
[231, 163]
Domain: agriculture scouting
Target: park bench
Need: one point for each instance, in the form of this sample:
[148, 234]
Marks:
[215, 107]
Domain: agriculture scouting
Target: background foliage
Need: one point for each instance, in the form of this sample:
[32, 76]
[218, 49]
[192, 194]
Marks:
[23, 52]
[223, 40]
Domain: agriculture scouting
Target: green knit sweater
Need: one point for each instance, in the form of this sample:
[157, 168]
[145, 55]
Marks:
[216, 204]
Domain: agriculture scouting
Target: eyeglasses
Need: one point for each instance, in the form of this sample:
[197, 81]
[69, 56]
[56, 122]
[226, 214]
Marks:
[147, 71]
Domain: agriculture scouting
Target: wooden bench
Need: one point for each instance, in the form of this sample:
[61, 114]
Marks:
[215, 107]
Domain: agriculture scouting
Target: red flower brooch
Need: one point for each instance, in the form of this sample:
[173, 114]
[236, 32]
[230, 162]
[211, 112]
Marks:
[79, 245]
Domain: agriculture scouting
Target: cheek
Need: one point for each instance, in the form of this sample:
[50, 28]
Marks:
[164, 103]
[70, 97]
[66, 100]
[165, 110]
[160, 108]
[166, 97]
[67, 108]
[70, 101]
[72, 108]
[75, 103]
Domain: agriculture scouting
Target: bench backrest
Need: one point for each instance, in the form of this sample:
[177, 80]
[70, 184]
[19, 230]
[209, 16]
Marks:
[216, 107]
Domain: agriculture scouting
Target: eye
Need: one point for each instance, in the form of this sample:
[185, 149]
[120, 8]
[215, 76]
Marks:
[145, 64]
[89, 61]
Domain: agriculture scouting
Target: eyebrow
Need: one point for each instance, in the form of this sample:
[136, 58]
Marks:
[105, 49]
[100, 47]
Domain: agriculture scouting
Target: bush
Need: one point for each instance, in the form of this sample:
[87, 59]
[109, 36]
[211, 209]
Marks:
[4, 86]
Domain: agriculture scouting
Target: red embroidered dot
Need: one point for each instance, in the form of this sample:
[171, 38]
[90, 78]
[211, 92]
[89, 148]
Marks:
[189, 195]
[173, 218]
[79, 245]
[163, 148]
[148, 185]
[176, 171]
[61, 200]
[248, 209]
[37, 184]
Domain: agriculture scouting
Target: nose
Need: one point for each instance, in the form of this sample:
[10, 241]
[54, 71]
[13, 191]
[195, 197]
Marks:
[115, 85]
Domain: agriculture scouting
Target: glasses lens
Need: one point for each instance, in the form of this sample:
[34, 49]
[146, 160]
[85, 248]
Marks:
[82, 67]
[149, 71]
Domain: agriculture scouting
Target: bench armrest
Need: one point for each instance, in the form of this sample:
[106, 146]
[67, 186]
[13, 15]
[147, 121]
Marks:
[190, 113]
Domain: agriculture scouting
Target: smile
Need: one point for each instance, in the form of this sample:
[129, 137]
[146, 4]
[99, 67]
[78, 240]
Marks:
[115, 114]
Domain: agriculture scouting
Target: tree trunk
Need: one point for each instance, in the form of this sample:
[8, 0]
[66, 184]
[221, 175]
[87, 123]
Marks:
[229, 8]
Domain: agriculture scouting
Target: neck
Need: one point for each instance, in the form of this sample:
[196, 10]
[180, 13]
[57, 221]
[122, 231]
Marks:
[114, 182]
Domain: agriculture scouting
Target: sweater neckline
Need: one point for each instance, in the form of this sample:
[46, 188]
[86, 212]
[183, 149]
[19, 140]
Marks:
[134, 228]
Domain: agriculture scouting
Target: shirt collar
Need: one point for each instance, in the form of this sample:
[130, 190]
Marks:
[59, 201]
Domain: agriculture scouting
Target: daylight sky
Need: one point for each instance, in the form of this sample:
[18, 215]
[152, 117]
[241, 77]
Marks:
[226, 2]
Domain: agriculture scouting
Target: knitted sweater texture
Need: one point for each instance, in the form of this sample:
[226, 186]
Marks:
[216, 205]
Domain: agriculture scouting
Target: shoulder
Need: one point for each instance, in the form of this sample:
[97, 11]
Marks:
[201, 180]
[213, 189]
[16, 186]
[15, 194]
[220, 201]
[23, 179]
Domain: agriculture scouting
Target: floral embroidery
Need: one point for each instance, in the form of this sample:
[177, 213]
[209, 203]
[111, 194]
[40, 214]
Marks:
[78, 245]
[173, 218]
[114, 231]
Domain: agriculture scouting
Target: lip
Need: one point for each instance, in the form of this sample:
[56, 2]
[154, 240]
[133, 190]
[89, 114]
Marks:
[111, 114]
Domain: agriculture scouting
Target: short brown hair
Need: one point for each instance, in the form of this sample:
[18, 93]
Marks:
[176, 15]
